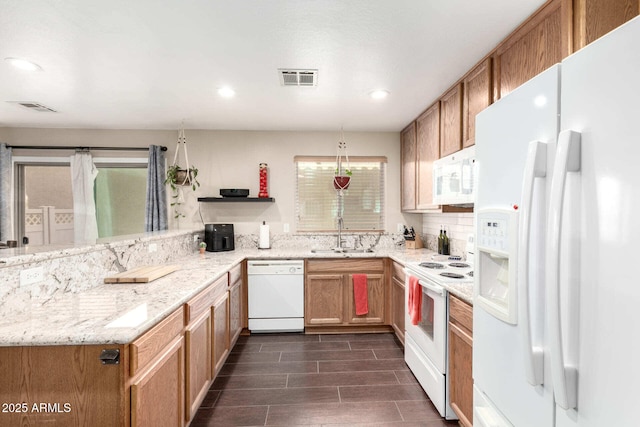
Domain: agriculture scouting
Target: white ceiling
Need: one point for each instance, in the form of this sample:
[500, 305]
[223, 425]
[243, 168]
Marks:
[149, 64]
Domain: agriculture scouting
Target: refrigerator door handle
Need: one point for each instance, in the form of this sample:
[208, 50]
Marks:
[535, 167]
[565, 385]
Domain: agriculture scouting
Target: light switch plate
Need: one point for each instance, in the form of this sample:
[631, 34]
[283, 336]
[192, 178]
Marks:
[285, 227]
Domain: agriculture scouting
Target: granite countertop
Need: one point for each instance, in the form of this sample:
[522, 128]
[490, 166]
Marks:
[119, 313]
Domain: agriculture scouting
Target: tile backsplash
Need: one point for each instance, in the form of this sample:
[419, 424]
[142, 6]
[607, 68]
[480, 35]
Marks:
[458, 226]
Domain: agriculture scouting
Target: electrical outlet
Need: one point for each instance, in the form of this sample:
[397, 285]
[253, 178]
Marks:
[285, 227]
[31, 275]
[196, 238]
[400, 227]
[153, 247]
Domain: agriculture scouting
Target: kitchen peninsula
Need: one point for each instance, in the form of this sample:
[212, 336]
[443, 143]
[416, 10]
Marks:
[89, 353]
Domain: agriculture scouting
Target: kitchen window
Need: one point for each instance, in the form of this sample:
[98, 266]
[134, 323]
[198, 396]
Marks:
[317, 200]
[45, 203]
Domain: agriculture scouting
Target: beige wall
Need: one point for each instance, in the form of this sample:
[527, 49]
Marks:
[229, 159]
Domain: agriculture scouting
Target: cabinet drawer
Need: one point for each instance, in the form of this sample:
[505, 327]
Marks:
[367, 265]
[398, 271]
[144, 349]
[460, 312]
[235, 274]
[204, 300]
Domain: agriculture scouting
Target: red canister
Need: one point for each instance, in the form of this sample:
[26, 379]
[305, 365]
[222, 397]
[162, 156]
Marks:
[264, 193]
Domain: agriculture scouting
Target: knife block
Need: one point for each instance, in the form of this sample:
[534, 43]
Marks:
[414, 244]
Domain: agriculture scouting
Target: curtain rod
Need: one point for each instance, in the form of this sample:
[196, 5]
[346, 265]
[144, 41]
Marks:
[61, 147]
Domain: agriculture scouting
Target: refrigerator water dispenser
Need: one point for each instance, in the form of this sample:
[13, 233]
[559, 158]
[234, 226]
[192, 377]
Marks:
[496, 266]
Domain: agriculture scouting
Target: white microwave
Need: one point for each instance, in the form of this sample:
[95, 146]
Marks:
[455, 178]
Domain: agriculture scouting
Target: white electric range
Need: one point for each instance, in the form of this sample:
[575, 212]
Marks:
[426, 339]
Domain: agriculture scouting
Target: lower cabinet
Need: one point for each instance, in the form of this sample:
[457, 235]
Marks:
[198, 361]
[397, 300]
[157, 397]
[235, 303]
[460, 359]
[329, 292]
[220, 332]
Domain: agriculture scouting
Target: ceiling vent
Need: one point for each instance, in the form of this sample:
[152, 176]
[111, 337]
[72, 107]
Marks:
[35, 106]
[290, 77]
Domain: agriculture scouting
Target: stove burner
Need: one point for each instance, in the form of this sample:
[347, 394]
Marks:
[452, 275]
[459, 265]
[470, 274]
[435, 265]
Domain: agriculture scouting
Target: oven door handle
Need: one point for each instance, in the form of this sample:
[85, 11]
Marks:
[437, 289]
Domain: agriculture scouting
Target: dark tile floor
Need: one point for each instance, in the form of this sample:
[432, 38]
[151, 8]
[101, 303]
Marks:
[317, 380]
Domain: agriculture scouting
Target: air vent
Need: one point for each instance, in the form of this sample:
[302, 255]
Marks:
[290, 77]
[35, 106]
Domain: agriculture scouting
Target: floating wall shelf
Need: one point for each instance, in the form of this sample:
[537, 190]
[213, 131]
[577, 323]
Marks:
[236, 199]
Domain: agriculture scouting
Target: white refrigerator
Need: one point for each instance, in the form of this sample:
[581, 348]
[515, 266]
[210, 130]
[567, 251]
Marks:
[556, 295]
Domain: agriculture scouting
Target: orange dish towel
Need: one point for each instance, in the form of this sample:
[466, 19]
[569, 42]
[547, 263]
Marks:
[415, 300]
[360, 294]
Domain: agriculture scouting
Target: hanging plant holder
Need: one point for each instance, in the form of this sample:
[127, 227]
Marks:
[341, 182]
[342, 177]
[177, 175]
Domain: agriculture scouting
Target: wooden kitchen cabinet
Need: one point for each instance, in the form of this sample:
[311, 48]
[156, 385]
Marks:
[198, 347]
[80, 389]
[427, 151]
[539, 43]
[460, 359]
[476, 96]
[157, 371]
[451, 121]
[157, 395]
[397, 300]
[221, 344]
[375, 300]
[329, 300]
[408, 168]
[235, 303]
[594, 18]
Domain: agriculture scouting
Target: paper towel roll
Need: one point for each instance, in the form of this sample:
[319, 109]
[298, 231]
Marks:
[263, 242]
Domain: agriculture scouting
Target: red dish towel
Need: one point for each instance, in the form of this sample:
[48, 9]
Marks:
[415, 300]
[360, 294]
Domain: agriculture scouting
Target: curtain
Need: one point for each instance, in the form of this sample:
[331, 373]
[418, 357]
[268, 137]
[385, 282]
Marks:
[6, 220]
[83, 175]
[156, 208]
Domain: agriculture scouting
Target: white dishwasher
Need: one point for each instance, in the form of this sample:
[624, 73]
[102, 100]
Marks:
[276, 295]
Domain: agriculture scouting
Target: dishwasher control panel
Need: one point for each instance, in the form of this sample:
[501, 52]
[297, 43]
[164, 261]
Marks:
[275, 267]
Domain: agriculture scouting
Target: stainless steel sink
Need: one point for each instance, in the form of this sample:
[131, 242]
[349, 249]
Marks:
[357, 251]
[341, 251]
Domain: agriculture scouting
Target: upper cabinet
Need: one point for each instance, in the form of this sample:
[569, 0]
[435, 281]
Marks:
[539, 43]
[408, 167]
[476, 96]
[594, 18]
[550, 34]
[451, 121]
[427, 151]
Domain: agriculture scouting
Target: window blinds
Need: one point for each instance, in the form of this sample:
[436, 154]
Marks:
[317, 200]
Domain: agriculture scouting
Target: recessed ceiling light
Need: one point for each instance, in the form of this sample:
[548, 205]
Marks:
[23, 64]
[226, 92]
[379, 94]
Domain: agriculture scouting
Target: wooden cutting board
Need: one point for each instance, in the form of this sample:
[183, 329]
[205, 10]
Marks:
[144, 274]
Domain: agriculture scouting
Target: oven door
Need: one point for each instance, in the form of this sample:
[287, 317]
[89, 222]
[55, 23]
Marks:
[431, 332]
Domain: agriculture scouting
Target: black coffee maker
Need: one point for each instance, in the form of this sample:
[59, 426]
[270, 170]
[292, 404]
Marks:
[219, 237]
